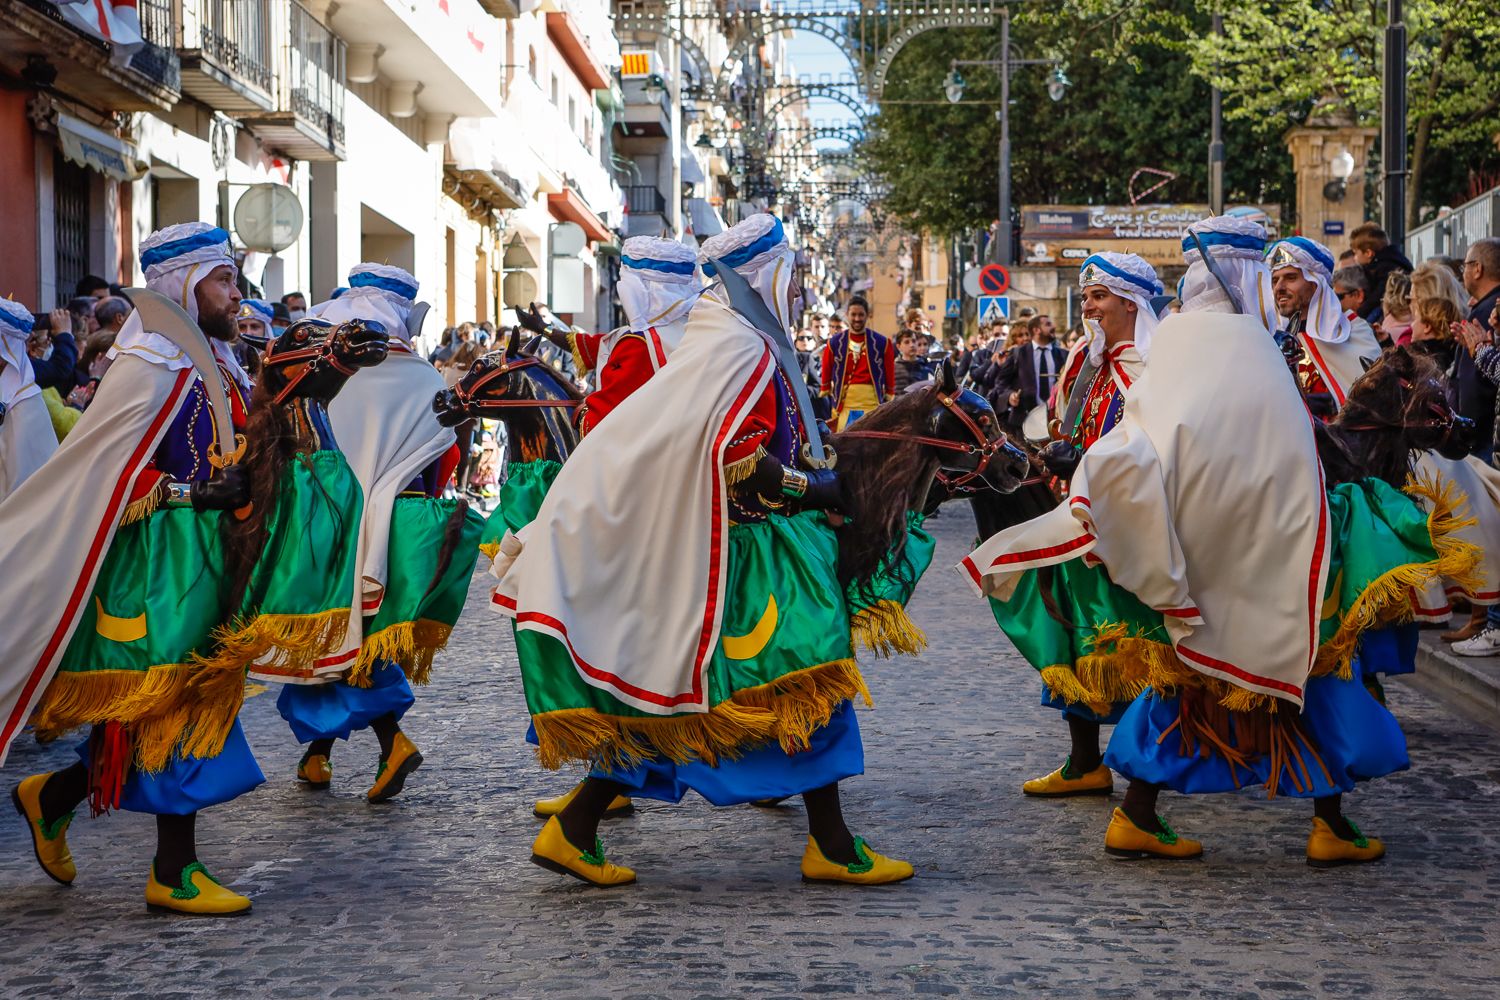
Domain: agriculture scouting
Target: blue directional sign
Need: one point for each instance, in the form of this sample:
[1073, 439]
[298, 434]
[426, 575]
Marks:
[954, 308]
[994, 308]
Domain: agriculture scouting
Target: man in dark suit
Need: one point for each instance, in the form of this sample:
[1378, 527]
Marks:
[1025, 376]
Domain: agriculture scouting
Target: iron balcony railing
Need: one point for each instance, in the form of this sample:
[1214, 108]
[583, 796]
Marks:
[234, 35]
[157, 59]
[315, 74]
[642, 199]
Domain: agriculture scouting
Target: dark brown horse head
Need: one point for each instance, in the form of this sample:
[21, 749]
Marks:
[980, 454]
[313, 358]
[501, 381]
[1402, 397]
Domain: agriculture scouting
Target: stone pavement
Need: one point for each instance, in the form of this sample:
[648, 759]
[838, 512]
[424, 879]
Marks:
[433, 895]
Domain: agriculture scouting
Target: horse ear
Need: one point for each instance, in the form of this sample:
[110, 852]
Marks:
[948, 384]
[1367, 363]
[513, 345]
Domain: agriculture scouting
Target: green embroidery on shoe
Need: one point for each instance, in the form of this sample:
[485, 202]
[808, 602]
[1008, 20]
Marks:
[1068, 771]
[380, 771]
[189, 890]
[53, 830]
[1166, 835]
[594, 857]
[865, 862]
[1360, 840]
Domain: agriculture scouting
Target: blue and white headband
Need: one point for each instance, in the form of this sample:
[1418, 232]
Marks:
[1124, 272]
[180, 245]
[384, 277]
[257, 309]
[1309, 256]
[15, 319]
[721, 246]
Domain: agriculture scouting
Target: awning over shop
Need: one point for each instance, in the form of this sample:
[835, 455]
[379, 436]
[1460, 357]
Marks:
[93, 147]
[706, 219]
[692, 170]
[569, 207]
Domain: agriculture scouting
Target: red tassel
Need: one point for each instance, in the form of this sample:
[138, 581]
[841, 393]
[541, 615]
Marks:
[109, 758]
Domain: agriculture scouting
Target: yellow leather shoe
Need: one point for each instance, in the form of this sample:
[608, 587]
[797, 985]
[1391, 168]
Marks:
[49, 841]
[1066, 781]
[1124, 839]
[1326, 849]
[620, 806]
[391, 777]
[315, 771]
[199, 895]
[872, 868]
[552, 851]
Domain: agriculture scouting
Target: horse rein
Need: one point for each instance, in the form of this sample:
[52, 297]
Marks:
[466, 398]
[319, 352]
[985, 448]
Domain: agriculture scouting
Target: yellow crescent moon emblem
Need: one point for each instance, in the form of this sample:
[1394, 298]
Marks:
[749, 645]
[118, 629]
[1331, 603]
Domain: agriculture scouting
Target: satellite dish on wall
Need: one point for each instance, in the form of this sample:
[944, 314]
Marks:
[268, 217]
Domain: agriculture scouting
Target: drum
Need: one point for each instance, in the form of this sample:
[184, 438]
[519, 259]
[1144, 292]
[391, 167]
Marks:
[1035, 427]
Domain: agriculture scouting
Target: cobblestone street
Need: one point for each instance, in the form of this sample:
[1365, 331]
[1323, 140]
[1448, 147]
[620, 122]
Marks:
[433, 894]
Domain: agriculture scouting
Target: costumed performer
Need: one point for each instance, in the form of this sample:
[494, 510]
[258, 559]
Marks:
[858, 367]
[145, 642]
[1333, 341]
[707, 647]
[26, 436]
[417, 551]
[658, 286]
[1080, 657]
[1242, 693]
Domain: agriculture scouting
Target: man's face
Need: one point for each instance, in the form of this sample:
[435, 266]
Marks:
[835, 325]
[1044, 331]
[974, 341]
[804, 342]
[296, 302]
[219, 303]
[1350, 298]
[1115, 314]
[1474, 275]
[1293, 291]
[857, 317]
[907, 345]
[252, 328]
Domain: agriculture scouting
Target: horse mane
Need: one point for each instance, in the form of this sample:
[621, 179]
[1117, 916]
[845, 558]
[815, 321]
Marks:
[273, 437]
[882, 479]
[1366, 438]
[563, 384]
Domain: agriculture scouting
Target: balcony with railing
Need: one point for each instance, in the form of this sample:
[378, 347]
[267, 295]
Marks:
[76, 59]
[647, 208]
[227, 53]
[307, 122]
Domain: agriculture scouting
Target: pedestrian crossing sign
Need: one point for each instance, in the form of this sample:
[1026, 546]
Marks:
[994, 308]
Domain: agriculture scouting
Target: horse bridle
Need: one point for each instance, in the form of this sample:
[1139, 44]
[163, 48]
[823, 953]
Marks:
[465, 397]
[985, 448]
[315, 354]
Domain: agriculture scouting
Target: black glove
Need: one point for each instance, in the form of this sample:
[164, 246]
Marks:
[825, 490]
[1061, 458]
[229, 489]
[2, 414]
[532, 320]
[1322, 405]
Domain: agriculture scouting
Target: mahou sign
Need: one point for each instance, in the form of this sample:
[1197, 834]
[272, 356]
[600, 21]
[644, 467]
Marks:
[1061, 235]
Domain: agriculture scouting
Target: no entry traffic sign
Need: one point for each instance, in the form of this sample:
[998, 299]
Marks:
[994, 279]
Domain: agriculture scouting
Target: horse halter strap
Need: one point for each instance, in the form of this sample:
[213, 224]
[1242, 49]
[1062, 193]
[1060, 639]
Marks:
[466, 399]
[315, 354]
[982, 446]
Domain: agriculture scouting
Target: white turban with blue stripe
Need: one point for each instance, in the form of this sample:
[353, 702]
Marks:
[1129, 277]
[1326, 319]
[16, 380]
[379, 292]
[758, 249]
[658, 281]
[1238, 247]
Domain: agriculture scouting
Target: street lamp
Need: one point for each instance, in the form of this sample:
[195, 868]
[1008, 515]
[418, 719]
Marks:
[953, 88]
[654, 86]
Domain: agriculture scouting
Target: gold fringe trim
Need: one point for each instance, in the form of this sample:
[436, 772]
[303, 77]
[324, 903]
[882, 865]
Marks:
[578, 362]
[885, 629]
[1119, 667]
[786, 711]
[1387, 598]
[738, 471]
[282, 643]
[174, 710]
[139, 510]
[410, 645]
[491, 549]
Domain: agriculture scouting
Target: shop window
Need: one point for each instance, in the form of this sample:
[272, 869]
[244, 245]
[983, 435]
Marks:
[70, 206]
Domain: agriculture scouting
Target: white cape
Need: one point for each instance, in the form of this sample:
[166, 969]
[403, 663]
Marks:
[1206, 501]
[47, 575]
[384, 424]
[661, 341]
[1338, 361]
[1478, 483]
[625, 563]
[26, 441]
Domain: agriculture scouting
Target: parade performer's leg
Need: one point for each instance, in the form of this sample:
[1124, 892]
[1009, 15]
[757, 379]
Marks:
[319, 714]
[1083, 773]
[1335, 840]
[47, 802]
[556, 847]
[834, 854]
[1137, 831]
